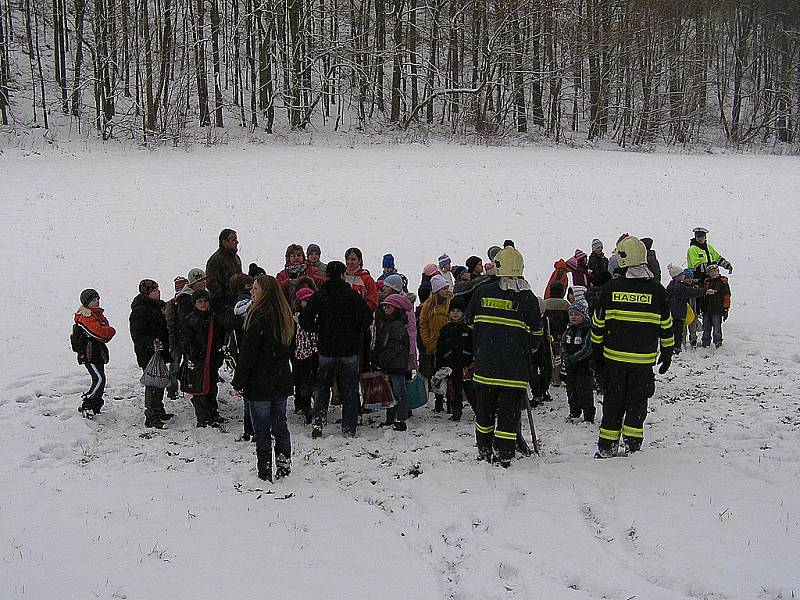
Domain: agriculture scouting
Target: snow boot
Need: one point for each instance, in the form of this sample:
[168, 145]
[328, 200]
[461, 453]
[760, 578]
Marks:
[154, 423]
[633, 444]
[264, 465]
[283, 466]
[316, 431]
[400, 426]
[456, 416]
[485, 454]
[609, 451]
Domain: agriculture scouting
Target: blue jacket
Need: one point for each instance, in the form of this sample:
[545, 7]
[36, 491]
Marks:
[679, 295]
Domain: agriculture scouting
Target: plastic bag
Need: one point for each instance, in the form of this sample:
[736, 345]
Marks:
[415, 391]
[156, 374]
[439, 381]
[376, 391]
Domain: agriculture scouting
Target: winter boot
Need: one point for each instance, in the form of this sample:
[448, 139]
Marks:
[316, 431]
[264, 465]
[400, 426]
[154, 423]
[633, 444]
[485, 453]
[456, 416]
[283, 466]
[607, 450]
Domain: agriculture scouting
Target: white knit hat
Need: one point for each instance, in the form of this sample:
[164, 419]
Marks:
[439, 282]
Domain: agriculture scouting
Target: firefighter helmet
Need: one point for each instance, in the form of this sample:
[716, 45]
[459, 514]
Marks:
[509, 262]
[631, 252]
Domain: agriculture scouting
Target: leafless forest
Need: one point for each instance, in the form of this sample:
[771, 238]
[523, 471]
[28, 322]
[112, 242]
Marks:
[635, 72]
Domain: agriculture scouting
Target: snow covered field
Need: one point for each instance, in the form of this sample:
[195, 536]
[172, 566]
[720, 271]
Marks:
[710, 508]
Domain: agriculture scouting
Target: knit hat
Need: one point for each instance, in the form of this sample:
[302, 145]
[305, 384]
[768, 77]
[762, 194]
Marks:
[146, 286]
[674, 270]
[489, 268]
[712, 267]
[380, 284]
[580, 307]
[648, 242]
[596, 244]
[458, 271]
[180, 283]
[199, 295]
[394, 281]
[458, 303]
[313, 248]
[254, 270]
[88, 295]
[304, 294]
[580, 255]
[472, 262]
[293, 249]
[444, 261]
[196, 275]
[439, 282]
[430, 270]
[335, 269]
[579, 292]
[688, 273]
[492, 252]
[388, 261]
[395, 300]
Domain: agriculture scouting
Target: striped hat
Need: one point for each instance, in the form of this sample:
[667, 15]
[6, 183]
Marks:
[180, 283]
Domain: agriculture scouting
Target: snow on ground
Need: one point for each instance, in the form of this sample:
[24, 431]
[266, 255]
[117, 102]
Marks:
[105, 509]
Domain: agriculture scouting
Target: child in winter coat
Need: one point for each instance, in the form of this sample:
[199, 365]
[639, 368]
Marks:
[598, 263]
[454, 350]
[171, 315]
[716, 306]
[680, 293]
[433, 315]
[201, 343]
[576, 354]
[578, 266]
[304, 357]
[90, 334]
[390, 355]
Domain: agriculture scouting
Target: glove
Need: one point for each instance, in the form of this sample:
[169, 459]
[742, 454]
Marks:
[665, 360]
[725, 315]
[730, 268]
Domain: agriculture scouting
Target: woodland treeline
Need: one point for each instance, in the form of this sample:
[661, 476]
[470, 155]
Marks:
[633, 71]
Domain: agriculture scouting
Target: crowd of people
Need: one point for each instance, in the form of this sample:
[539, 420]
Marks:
[475, 333]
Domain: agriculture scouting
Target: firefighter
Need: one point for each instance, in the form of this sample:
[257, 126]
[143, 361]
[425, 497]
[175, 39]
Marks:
[631, 321]
[507, 326]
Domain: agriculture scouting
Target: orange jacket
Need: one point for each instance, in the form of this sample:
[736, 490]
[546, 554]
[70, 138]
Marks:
[95, 324]
[363, 283]
[560, 274]
[432, 317]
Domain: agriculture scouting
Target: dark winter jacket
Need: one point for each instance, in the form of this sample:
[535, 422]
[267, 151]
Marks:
[454, 347]
[339, 316]
[654, 265]
[193, 338]
[424, 289]
[592, 297]
[679, 295]
[221, 266]
[262, 369]
[183, 308]
[597, 264]
[466, 289]
[507, 330]
[147, 324]
[576, 346]
[721, 301]
[392, 344]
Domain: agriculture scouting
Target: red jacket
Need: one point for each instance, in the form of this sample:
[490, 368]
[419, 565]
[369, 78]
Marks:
[363, 283]
[98, 333]
[560, 274]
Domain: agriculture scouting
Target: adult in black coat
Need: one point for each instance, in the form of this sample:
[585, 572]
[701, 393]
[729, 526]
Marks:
[263, 375]
[148, 328]
[339, 316]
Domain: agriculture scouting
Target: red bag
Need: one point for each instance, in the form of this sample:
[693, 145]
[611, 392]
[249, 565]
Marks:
[376, 391]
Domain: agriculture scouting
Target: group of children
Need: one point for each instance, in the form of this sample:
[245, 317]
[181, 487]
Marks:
[432, 339]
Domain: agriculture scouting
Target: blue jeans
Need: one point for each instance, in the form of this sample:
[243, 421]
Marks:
[346, 368]
[399, 412]
[712, 323]
[269, 420]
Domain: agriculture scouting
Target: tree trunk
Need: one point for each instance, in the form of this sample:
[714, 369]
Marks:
[216, 63]
[397, 69]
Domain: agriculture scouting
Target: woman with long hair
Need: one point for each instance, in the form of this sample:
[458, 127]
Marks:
[263, 376]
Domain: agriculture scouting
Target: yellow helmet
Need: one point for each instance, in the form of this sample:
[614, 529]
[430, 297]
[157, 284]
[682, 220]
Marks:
[631, 252]
[509, 262]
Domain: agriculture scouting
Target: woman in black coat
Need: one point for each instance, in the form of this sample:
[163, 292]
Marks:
[263, 375]
[148, 328]
[201, 338]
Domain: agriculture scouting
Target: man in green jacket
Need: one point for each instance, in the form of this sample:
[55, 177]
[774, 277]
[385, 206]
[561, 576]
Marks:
[701, 254]
[221, 266]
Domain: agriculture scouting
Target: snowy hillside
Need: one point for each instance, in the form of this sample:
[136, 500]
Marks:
[106, 509]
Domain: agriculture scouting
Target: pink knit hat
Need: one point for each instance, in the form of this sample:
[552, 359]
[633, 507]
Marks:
[430, 270]
[396, 300]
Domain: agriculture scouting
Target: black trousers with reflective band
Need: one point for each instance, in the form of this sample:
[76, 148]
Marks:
[628, 387]
[497, 418]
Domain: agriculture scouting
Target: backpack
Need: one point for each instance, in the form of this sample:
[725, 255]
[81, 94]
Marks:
[78, 339]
